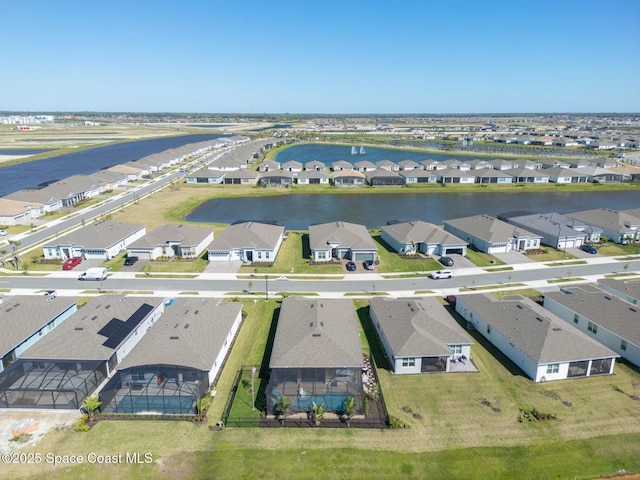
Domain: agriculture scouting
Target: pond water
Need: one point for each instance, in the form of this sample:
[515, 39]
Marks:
[298, 211]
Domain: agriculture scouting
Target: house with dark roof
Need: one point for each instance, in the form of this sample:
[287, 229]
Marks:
[341, 240]
[69, 363]
[316, 356]
[605, 317]
[381, 178]
[100, 240]
[26, 319]
[555, 229]
[490, 235]
[247, 242]
[418, 176]
[276, 178]
[177, 359]
[172, 240]
[420, 336]
[409, 238]
[542, 345]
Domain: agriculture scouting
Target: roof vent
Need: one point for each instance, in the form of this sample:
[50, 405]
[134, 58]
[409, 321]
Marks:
[322, 324]
[311, 324]
[632, 309]
[107, 307]
[186, 326]
[173, 337]
[94, 317]
[607, 297]
[557, 329]
[79, 328]
[539, 319]
[196, 312]
[177, 325]
[316, 335]
[519, 306]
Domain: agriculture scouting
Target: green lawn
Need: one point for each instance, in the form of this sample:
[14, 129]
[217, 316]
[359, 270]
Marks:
[481, 259]
[452, 434]
[549, 254]
[613, 249]
[390, 261]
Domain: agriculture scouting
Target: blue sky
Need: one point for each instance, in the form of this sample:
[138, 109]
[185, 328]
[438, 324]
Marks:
[305, 56]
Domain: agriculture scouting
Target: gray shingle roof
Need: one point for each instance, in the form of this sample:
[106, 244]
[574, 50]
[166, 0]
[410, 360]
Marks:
[190, 333]
[421, 232]
[344, 234]
[538, 333]
[316, 333]
[22, 316]
[185, 235]
[607, 310]
[248, 235]
[608, 218]
[417, 327]
[489, 228]
[623, 289]
[97, 235]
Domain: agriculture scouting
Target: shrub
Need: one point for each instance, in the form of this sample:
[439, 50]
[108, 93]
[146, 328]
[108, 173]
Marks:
[82, 426]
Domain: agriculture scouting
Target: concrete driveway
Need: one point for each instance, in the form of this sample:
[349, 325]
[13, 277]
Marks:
[458, 261]
[512, 257]
[224, 267]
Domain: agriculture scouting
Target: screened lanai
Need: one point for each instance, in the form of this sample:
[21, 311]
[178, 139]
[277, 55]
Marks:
[166, 389]
[57, 384]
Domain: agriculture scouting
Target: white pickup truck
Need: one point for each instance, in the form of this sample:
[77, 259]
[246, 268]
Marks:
[96, 273]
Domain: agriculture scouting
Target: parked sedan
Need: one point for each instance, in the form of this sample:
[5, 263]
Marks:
[588, 248]
[69, 263]
[351, 266]
[369, 265]
[130, 261]
[3, 233]
[446, 261]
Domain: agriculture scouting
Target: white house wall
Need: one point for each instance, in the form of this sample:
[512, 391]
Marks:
[604, 336]
[219, 361]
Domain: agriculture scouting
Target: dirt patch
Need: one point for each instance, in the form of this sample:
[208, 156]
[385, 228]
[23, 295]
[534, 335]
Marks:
[31, 426]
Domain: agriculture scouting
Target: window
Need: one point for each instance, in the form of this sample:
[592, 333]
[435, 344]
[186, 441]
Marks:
[408, 362]
[456, 349]
[553, 368]
[593, 327]
[576, 317]
[623, 345]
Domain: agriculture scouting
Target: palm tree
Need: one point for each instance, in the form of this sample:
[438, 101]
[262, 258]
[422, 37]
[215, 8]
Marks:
[283, 407]
[318, 412]
[92, 406]
[349, 406]
[201, 406]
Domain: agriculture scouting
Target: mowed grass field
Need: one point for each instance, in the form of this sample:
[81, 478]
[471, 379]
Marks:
[451, 434]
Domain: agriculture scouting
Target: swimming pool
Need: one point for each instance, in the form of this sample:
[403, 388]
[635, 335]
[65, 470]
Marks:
[332, 401]
[167, 405]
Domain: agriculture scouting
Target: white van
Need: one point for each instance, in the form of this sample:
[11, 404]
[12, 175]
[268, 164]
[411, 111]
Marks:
[97, 273]
[441, 274]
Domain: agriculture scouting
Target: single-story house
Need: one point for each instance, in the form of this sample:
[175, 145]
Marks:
[364, 166]
[499, 164]
[490, 235]
[409, 165]
[456, 164]
[269, 166]
[616, 226]
[291, 166]
[176, 360]
[341, 165]
[26, 319]
[100, 240]
[241, 177]
[247, 242]
[453, 175]
[600, 175]
[276, 178]
[430, 164]
[33, 196]
[316, 356]
[479, 164]
[132, 172]
[341, 240]
[487, 175]
[72, 360]
[602, 316]
[566, 175]
[419, 176]
[626, 290]
[381, 177]
[172, 240]
[554, 228]
[315, 165]
[311, 177]
[15, 212]
[387, 165]
[543, 346]
[348, 178]
[528, 175]
[409, 238]
[419, 335]
[205, 176]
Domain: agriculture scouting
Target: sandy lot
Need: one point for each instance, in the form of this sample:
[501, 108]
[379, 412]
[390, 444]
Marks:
[36, 423]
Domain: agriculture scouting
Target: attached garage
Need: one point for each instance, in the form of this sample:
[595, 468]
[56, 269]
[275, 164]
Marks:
[454, 251]
[362, 256]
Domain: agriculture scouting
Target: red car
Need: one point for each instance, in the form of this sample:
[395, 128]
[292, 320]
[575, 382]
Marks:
[69, 263]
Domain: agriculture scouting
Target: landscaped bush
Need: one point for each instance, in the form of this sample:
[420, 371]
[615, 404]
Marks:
[533, 415]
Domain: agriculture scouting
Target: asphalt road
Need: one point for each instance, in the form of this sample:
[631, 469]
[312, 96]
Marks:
[218, 284]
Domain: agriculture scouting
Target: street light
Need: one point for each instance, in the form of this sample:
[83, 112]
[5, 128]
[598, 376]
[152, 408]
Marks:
[266, 285]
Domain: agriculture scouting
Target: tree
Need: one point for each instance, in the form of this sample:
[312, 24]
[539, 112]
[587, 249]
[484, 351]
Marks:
[201, 407]
[318, 413]
[282, 408]
[349, 406]
[92, 406]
